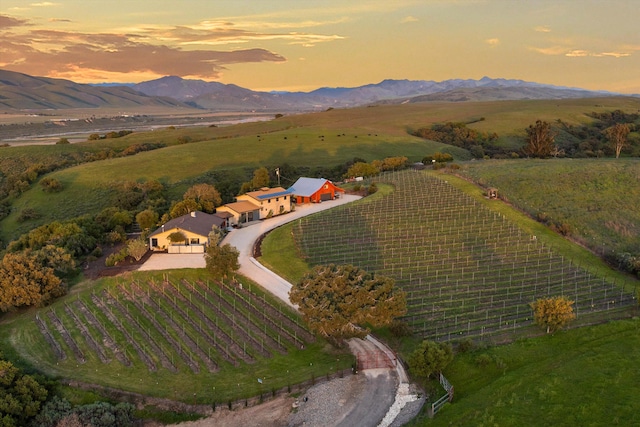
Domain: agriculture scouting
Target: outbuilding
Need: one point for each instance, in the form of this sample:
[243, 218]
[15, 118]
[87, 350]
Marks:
[314, 190]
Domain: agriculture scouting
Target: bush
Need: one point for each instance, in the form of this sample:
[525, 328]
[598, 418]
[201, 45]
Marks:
[116, 257]
[27, 214]
[372, 188]
[51, 185]
[400, 329]
[483, 360]
[465, 345]
[63, 141]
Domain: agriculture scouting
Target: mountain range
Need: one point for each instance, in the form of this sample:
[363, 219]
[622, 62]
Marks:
[23, 92]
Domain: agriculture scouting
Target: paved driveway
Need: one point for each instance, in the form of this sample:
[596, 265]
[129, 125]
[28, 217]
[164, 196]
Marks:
[165, 261]
[244, 238]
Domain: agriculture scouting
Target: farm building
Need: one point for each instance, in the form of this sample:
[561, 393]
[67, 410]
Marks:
[272, 201]
[194, 227]
[239, 212]
[314, 190]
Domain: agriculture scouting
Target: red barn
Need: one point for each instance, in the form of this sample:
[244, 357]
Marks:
[314, 190]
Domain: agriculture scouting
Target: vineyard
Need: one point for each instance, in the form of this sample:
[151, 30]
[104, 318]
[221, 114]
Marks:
[163, 326]
[467, 271]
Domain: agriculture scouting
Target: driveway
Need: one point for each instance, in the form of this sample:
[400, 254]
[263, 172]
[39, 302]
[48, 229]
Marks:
[165, 261]
[244, 238]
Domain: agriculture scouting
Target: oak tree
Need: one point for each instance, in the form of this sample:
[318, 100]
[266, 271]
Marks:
[24, 282]
[553, 313]
[205, 195]
[338, 301]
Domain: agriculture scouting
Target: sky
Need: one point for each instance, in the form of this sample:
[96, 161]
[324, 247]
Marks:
[301, 45]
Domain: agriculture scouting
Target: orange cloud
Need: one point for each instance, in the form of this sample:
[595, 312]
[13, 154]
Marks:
[48, 52]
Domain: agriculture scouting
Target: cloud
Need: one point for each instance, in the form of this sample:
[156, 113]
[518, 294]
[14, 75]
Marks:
[409, 19]
[8, 21]
[492, 42]
[542, 29]
[62, 53]
[59, 20]
[44, 4]
[577, 53]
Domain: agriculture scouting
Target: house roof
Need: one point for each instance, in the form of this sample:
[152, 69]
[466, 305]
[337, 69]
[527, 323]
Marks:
[268, 193]
[196, 222]
[306, 187]
[241, 207]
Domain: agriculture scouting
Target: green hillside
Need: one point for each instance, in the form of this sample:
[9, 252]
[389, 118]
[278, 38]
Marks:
[599, 199]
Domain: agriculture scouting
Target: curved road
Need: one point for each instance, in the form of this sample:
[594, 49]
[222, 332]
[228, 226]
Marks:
[382, 398]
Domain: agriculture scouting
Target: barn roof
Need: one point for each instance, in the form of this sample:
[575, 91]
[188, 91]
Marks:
[197, 222]
[306, 187]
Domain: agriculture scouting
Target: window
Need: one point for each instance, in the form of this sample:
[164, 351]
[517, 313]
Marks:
[277, 198]
[194, 241]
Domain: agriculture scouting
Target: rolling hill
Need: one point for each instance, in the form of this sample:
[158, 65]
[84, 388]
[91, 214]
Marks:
[23, 92]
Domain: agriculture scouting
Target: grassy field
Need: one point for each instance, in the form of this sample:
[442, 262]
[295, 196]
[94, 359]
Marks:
[582, 377]
[187, 339]
[598, 198]
[319, 139]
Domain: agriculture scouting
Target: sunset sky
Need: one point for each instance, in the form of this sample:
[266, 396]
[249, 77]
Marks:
[307, 44]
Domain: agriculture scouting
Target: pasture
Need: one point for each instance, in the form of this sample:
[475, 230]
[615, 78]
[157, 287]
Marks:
[598, 198]
[174, 335]
[315, 140]
[468, 271]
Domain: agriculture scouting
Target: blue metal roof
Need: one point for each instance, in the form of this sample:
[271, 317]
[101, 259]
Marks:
[272, 195]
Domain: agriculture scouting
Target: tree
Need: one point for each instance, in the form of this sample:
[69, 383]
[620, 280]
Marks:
[222, 260]
[338, 301]
[430, 358]
[617, 135]
[205, 195]
[362, 169]
[21, 396]
[260, 179]
[184, 207]
[25, 282]
[147, 218]
[137, 248]
[540, 140]
[553, 313]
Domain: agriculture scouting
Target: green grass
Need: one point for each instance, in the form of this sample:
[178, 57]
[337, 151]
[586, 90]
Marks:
[598, 198]
[366, 132]
[587, 377]
[22, 340]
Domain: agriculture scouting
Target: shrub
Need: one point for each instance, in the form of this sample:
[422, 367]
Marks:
[63, 141]
[27, 214]
[400, 329]
[372, 188]
[483, 360]
[116, 257]
[51, 185]
[465, 345]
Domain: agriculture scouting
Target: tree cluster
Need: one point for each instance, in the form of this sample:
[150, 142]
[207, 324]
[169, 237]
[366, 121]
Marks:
[458, 134]
[339, 301]
[364, 169]
[21, 396]
[222, 261]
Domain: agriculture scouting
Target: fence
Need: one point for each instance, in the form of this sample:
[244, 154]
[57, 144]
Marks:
[438, 404]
